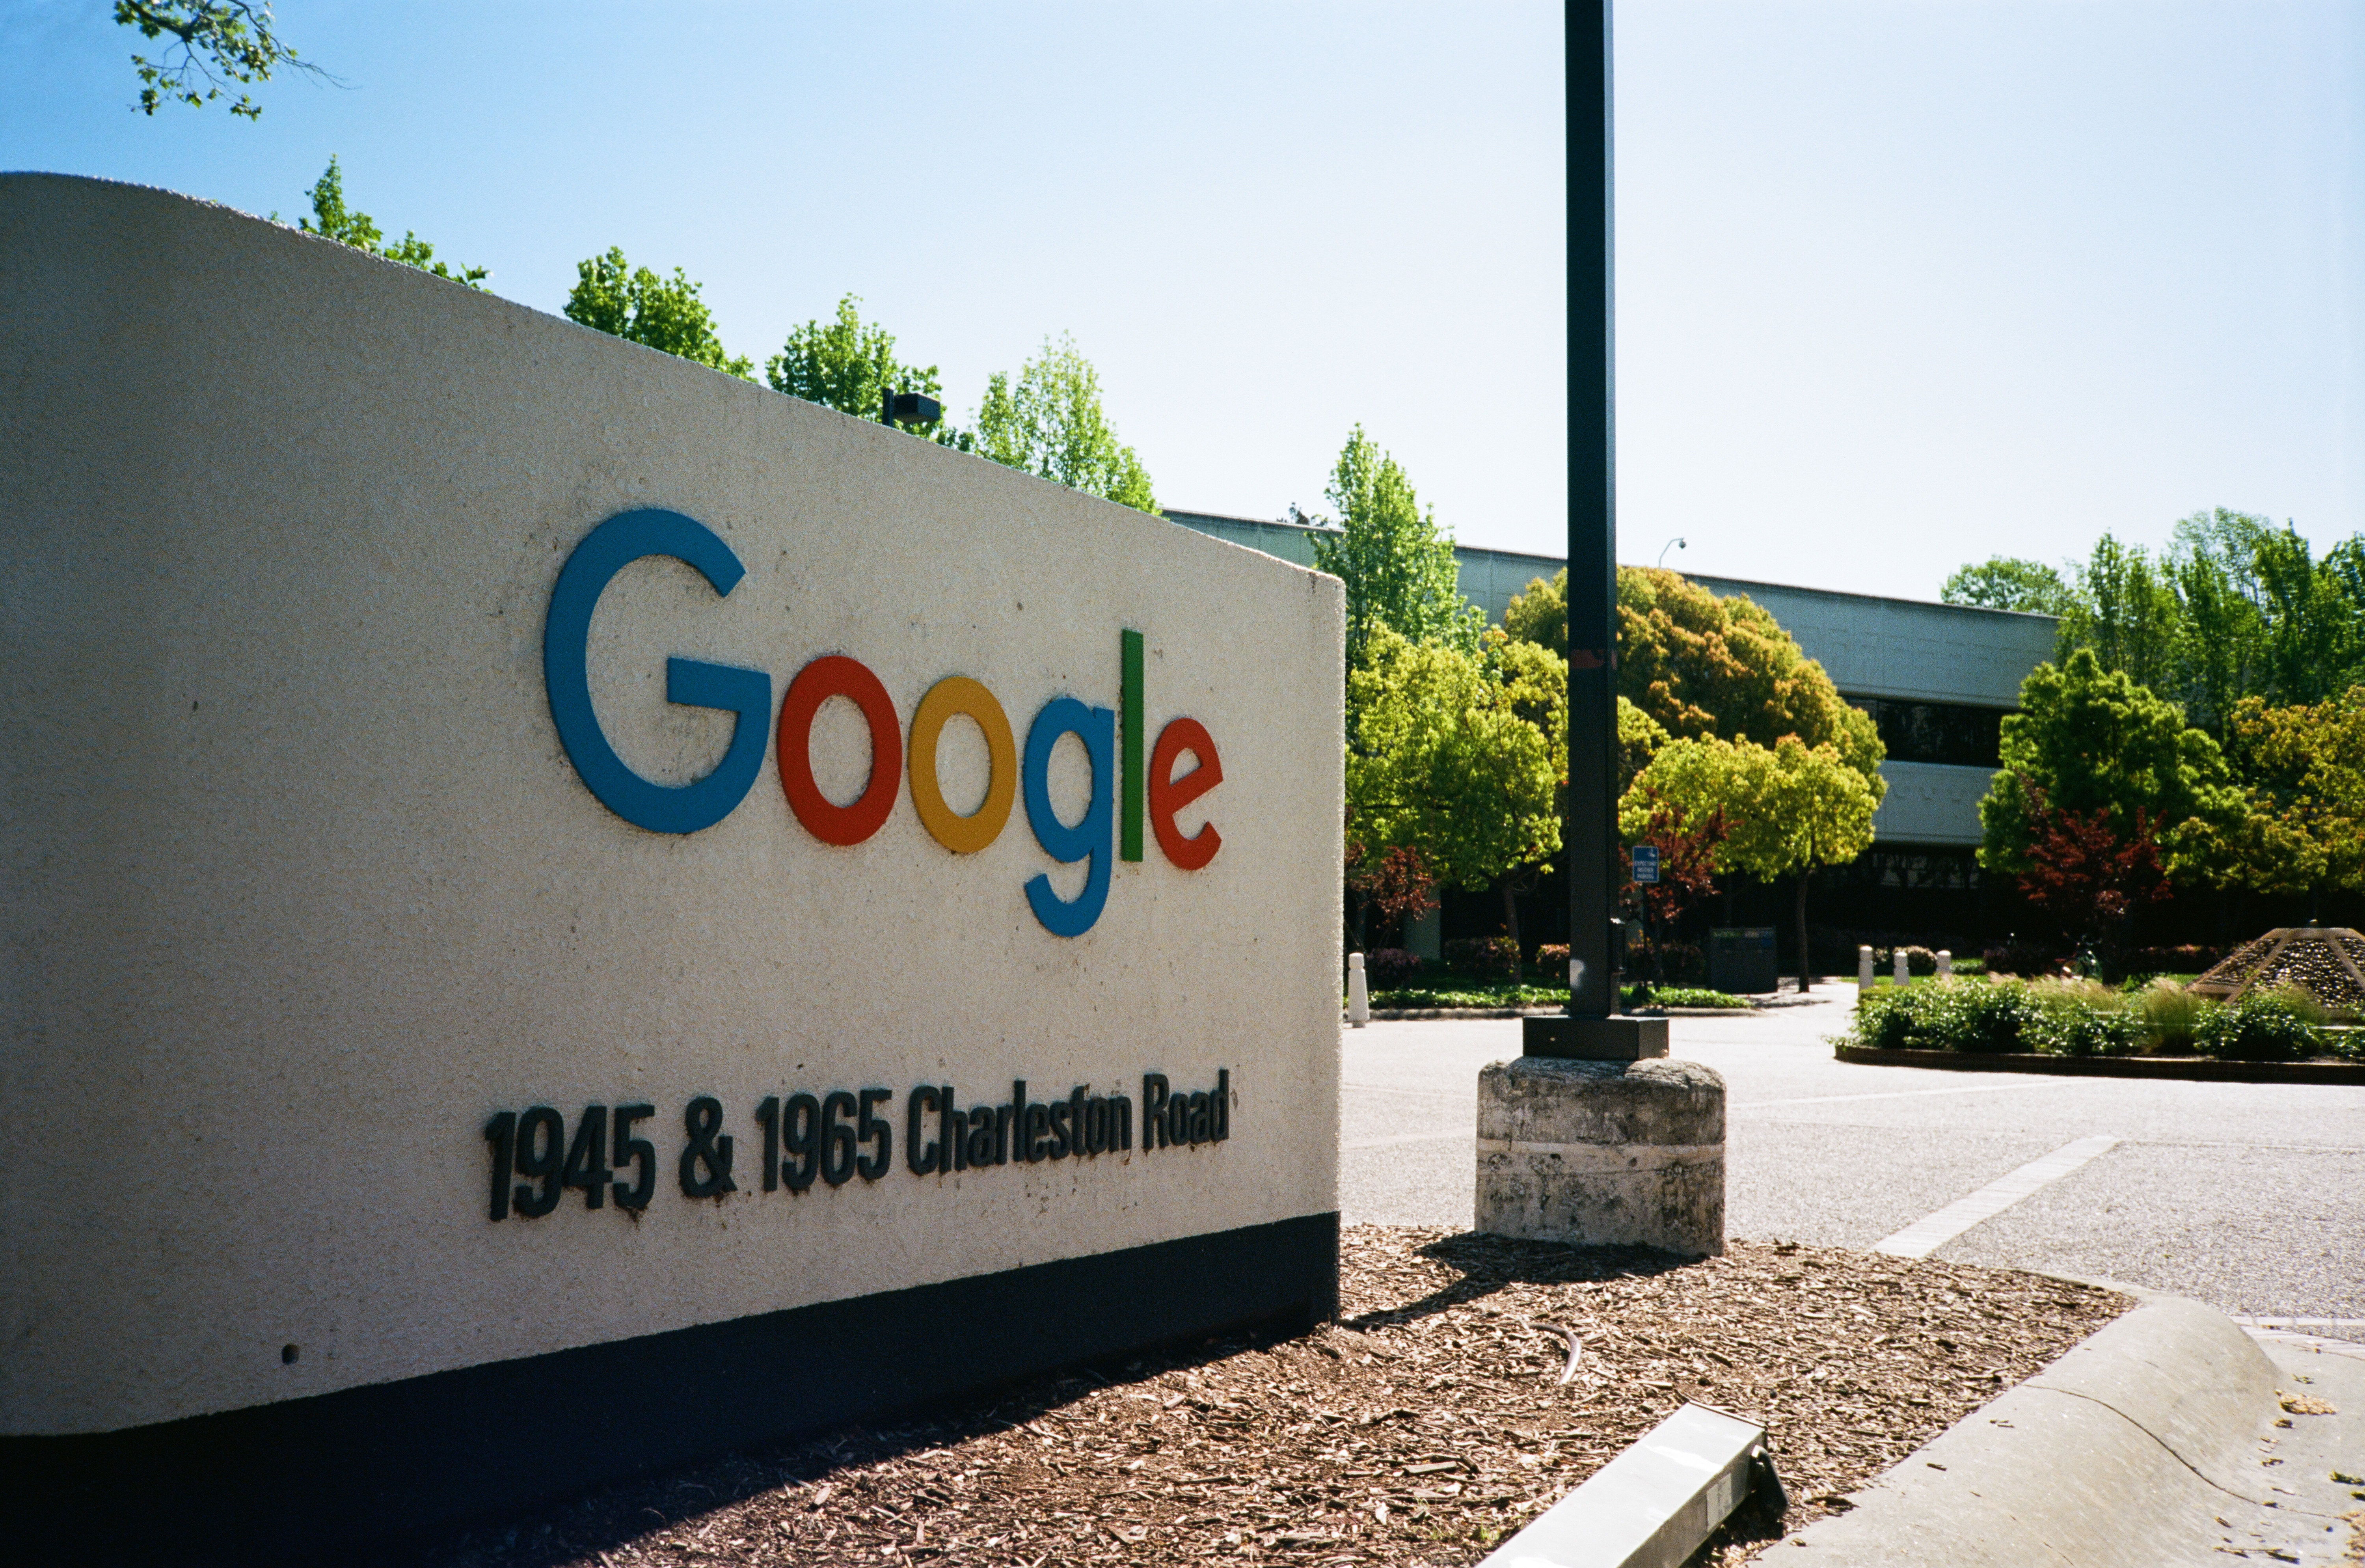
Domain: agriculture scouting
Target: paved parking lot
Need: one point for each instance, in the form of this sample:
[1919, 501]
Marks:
[2249, 1196]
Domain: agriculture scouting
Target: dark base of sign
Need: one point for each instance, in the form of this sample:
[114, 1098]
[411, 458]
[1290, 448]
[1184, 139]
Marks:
[351, 1474]
[1592, 1039]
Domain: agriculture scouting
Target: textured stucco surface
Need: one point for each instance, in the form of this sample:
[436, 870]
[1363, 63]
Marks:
[1602, 1153]
[302, 887]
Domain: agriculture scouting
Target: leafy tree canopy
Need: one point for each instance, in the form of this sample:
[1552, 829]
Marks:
[214, 43]
[850, 366]
[1640, 736]
[1049, 422]
[1398, 564]
[1783, 811]
[332, 219]
[2234, 607]
[1700, 665]
[1541, 614]
[2092, 739]
[614, 297]
[1442, 761]
[2301, 825]
[2005, 582]
[1786, 809]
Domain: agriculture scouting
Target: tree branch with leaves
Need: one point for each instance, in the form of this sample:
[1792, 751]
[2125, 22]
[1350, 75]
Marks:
[215, 45]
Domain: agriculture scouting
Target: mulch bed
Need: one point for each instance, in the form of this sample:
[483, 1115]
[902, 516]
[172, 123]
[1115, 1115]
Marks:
[1428, 1424]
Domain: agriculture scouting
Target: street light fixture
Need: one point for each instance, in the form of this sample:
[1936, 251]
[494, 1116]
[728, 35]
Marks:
[909, 409]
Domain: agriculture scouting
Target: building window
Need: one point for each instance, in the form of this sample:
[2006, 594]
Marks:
[1937, 732]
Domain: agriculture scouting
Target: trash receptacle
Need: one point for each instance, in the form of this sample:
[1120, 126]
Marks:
[1741, 958]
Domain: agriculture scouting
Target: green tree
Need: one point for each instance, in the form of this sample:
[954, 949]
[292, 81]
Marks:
[614, 297]
[850, 366]
[2126, 611]
[2006, 582]
[2301, 825]
[1541, 614]
[1785, 810]
[1442, 761]
[1701, 665]
[1640, 737]
[1398, 564]
[2092, 739]
[2234, 607]
[215, 43]
[1050, 423]
[332, 219]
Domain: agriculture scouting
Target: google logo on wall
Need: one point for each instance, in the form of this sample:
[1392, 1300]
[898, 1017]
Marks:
[1124, 791]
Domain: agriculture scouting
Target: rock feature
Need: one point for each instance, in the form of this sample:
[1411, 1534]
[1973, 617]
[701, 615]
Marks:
[1603, 1153]
[2326, 961]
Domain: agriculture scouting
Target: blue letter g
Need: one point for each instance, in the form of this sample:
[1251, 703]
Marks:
[565, 640]
[1096, 727]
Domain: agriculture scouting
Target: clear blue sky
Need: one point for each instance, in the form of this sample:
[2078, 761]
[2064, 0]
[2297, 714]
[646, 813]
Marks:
[1903, 283]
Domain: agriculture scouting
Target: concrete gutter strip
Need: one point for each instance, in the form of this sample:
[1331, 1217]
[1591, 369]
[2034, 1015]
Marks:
[1649, 1507]
[2152, 1443]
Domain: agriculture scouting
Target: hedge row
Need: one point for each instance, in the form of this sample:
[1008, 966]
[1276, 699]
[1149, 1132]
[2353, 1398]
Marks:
[2082, 1018]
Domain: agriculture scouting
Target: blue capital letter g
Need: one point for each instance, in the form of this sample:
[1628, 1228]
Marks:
[565, 641]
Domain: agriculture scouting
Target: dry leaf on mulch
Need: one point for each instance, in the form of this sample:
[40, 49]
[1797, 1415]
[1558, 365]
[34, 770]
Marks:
[1429, 1422]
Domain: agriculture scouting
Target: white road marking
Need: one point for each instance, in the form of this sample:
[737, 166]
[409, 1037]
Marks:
[1925, 1236]
[1895, 1095]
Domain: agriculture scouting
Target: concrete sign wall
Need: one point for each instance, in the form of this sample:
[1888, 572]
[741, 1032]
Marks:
[544, 877]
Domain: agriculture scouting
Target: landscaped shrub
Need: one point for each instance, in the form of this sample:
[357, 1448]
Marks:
[1972, 1015]
[1919, 961]
[1388, 969]
[2025, 958]
[2080, 1018]
[2348, 1044]
[2275, 1025]
[1696, 996]
[1551, 961]
[1970, 966]
[1888, 1020]
[1494, 958]
[2186, 960]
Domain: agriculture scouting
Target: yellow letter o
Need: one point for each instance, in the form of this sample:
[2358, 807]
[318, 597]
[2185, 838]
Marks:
[962, 834]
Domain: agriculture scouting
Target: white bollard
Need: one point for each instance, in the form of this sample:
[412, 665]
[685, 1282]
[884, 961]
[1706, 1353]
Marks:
[1863, 968]
[1359, 994]
[1945, 964]
[1903, 974]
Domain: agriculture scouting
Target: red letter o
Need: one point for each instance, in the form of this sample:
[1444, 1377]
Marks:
[834, 675]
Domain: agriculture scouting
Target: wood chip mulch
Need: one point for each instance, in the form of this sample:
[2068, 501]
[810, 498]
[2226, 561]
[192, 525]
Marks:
[1428, 1423]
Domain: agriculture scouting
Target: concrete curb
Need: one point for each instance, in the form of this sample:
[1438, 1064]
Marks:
[2199, 1069]
[2143, 1446]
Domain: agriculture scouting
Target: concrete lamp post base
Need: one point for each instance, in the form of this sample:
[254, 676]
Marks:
[1592, 1039]
[1603, 1153]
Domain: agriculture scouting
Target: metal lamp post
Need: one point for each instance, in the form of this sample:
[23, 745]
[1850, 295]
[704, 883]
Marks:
[1592, 1027]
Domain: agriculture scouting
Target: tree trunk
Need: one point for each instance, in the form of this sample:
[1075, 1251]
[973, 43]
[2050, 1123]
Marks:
[1805, 968]
[1511, 924]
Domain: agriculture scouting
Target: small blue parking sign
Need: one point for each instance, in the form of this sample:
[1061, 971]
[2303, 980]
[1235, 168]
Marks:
[1646, 862]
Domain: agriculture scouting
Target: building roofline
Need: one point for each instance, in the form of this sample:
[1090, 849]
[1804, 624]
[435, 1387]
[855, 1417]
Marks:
[1868, 598]
[1559, 561]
